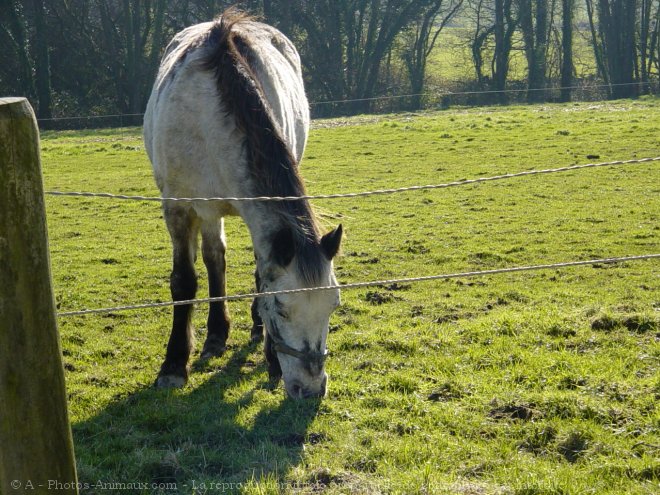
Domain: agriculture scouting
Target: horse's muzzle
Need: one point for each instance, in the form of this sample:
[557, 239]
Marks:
[297, 390]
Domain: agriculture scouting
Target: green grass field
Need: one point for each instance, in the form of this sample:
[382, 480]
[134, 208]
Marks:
[533, 383]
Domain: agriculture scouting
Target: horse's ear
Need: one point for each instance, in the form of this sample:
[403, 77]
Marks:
[330, 242]
[283, 247]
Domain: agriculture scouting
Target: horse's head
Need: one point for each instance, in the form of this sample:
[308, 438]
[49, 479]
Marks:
[297, 323]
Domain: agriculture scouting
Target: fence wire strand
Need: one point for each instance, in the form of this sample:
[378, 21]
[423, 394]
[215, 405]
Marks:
[355, 194]
[356, 285]
[443, 93]
[439, 93]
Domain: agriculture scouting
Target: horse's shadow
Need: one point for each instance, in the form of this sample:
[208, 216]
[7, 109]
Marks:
[198, 439]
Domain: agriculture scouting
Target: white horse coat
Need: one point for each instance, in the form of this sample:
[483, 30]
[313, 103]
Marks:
[194, 146]
[228, 117]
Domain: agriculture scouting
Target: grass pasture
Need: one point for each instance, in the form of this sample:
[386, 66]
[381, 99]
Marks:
[533, 383]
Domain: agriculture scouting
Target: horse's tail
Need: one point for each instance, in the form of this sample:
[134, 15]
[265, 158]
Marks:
[272, 163]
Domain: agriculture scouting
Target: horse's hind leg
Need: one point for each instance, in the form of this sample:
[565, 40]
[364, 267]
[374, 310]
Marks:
[213, 253]
[183, 227]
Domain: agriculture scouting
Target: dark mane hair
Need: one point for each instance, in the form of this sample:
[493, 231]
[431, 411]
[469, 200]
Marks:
[272, 164]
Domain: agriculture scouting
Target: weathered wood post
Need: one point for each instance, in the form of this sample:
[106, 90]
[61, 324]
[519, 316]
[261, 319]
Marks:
[36, 449]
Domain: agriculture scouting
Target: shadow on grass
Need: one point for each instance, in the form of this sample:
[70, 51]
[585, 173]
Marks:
[197, 437]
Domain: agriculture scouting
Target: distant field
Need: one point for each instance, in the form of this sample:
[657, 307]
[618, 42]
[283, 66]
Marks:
[533, 383]
[451, 59]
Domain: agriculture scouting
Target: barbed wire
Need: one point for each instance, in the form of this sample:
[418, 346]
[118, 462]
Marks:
[439, 93]
[354, 194]
[356, 285]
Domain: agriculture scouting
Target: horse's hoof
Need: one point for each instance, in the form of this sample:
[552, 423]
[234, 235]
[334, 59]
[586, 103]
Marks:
[212, 348]
[170, 381]
[208, 354]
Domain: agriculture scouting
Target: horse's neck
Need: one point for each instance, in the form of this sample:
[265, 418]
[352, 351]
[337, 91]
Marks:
[263, 222]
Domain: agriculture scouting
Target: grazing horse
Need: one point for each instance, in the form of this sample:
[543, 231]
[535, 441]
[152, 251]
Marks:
[228, 117]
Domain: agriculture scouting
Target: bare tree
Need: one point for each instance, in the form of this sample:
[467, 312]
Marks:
[494, 24]
[505, 26]
[649, 31]
[567, 68]
[535, 28]
[41, 60]
[483, 28]
[345, 43]
[16, 63]
[595, 42]
[421, 39]
[614, 47]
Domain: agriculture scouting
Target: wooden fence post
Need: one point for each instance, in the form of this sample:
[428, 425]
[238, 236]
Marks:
[36, 449]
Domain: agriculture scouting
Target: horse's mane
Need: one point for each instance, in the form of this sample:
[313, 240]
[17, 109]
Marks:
[272, 164]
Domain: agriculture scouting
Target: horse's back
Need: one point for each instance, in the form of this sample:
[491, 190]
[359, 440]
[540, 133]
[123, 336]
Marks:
[276, 60]
[195, 145]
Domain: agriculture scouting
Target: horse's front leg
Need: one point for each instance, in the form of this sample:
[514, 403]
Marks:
[213, 253]
[274, 369]
[183, 227]
[259, 333]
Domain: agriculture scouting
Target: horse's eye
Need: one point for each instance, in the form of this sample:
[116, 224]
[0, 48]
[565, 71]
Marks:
[283, 315]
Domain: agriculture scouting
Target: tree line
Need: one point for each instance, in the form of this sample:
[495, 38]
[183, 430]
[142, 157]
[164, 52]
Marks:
[83, 57]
